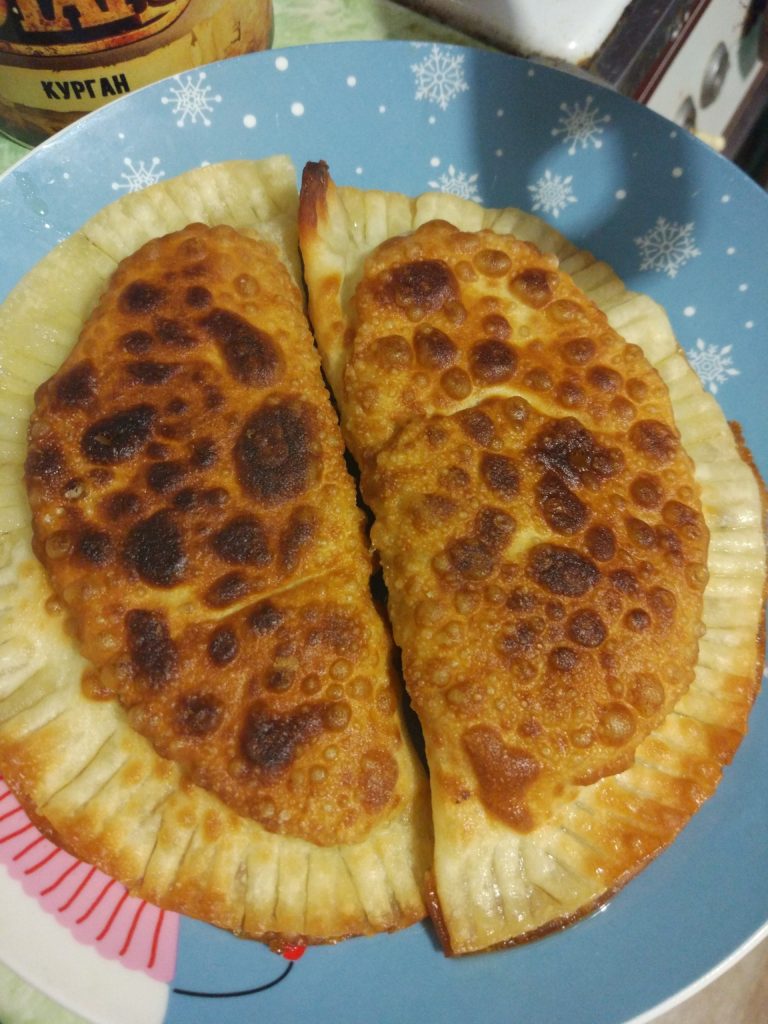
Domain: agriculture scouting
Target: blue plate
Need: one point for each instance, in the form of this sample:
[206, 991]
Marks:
[676, 221]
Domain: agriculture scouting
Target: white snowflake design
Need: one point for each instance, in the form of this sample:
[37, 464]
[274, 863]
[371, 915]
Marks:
[457, 183]
[440, 77]
[552, 193]
[581, 126]
[139, 176]
[712, 363]
[191, 99]
[667, 247]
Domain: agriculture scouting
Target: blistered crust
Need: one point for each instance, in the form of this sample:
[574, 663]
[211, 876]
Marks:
[543, 519]
[235, 750]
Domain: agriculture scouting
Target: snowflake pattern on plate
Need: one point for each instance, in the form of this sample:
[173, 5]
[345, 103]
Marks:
[713, 364]
[667, 247]
[440, 77]
[457, 183]
[139, 175]
[191, 99]
[581, 125]
[552, 193]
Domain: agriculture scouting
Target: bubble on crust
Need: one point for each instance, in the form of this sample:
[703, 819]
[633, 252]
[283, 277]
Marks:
[562, 570]
[586, 628]
[646, 491]
[655, 440]
[434, 349]
[297, 535]
[492, 361]
[420, 286]
[646, 694]
[470, 558]
[492, 262]
[456, 383]
[393, 352]
[578, 351]
[496, 326]
[564, 311]
[429, 612]
[617, 724]
[640, 533]
[570, 394]
[454, 478]
[601, 543]
[538, 378]
[583, 737]
[637, 620]
[534, 286]
[625, 581]
[337, 715]
[493, 527]
[197, 714]
[478, 426]
[227, 590]
[223, 646]
[663, 605]
[679, 516]
[605, 379]
[517, 411]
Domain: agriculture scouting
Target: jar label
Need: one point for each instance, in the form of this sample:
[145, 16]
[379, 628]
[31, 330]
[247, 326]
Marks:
[85, 90]
[70, 27]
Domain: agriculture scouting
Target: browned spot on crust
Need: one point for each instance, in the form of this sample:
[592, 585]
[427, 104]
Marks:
[242, 541]
[154, 549]
[150, 647]
[377, 778]
[251, 355]
[119, 437]
[422, 285]
[504, 774]
[269, 741]
[562, 570]
[273, 454]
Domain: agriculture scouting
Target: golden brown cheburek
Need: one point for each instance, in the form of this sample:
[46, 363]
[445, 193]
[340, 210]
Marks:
[237, 748]
[547, 524]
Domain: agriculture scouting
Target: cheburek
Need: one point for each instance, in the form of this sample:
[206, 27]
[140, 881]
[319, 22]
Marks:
[237, 750]
[547, 482]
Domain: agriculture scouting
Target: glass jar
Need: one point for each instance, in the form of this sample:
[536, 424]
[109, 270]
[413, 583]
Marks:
[60, 59]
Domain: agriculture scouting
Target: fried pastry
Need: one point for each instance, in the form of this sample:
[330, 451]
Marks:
[202, 698]
[571, 538]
